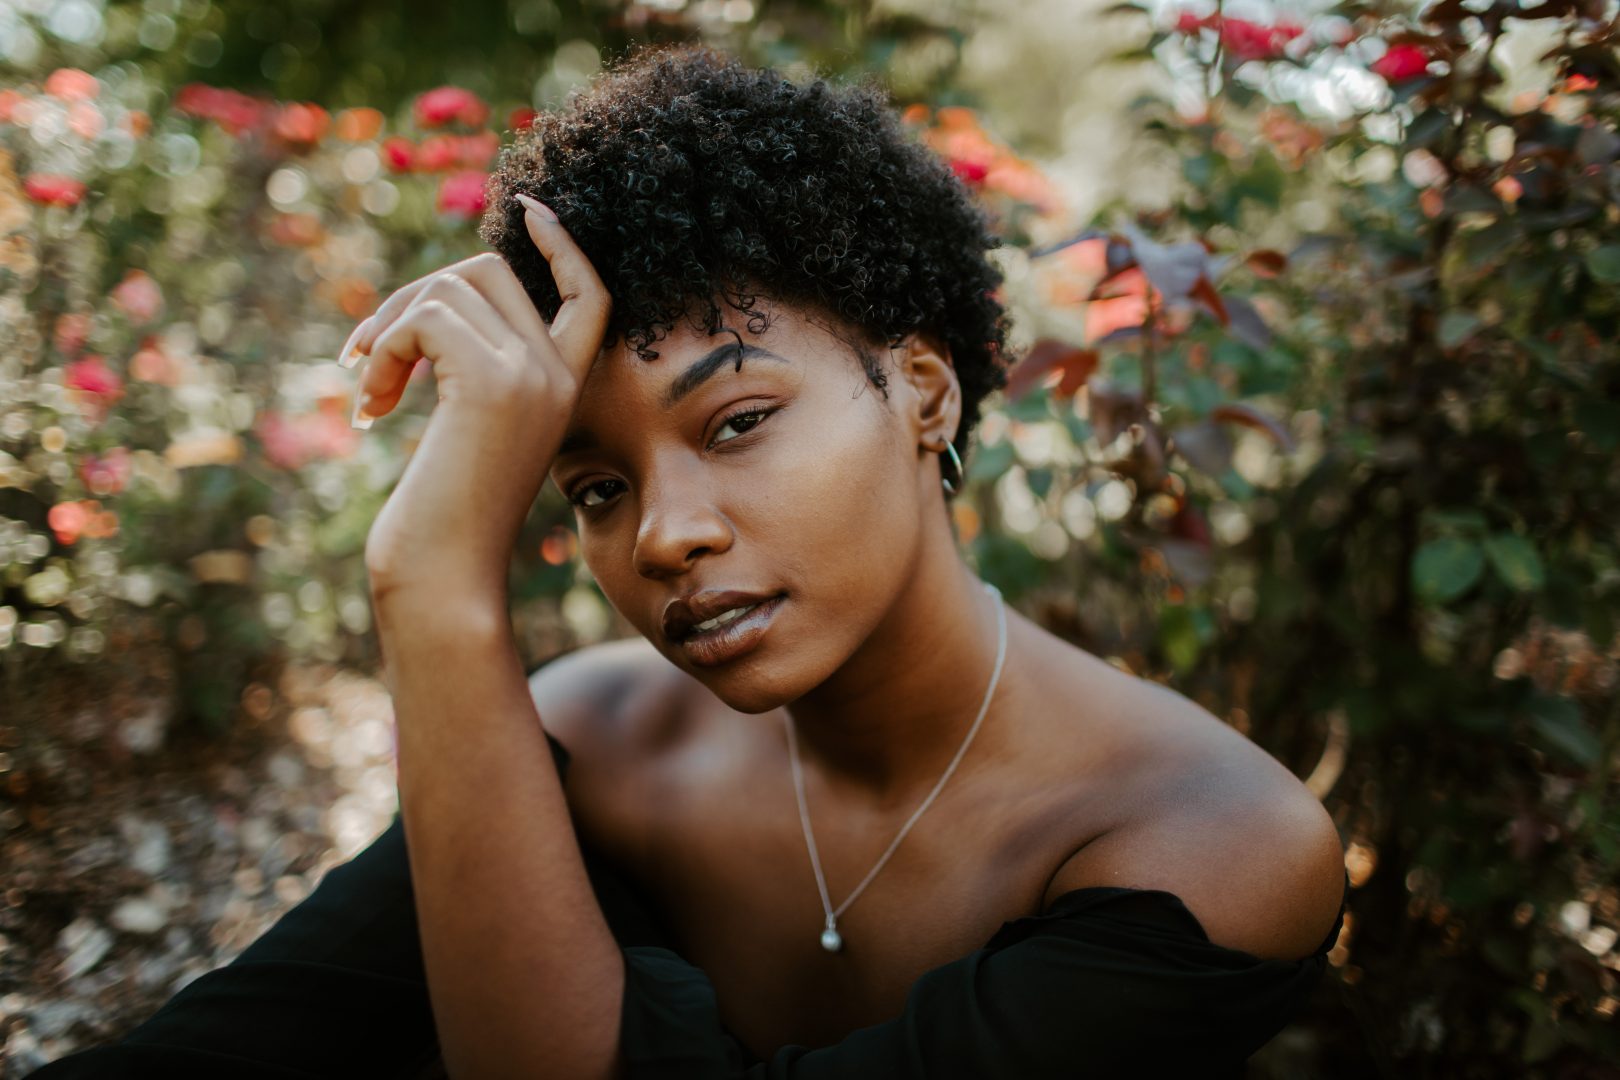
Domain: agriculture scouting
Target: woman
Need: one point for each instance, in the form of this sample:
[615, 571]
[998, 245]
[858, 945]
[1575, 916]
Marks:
[770, 325]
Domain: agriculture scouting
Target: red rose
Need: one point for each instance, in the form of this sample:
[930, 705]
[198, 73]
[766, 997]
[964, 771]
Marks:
[437, 153]
[301, 123]
[49, 189]
[231, 110]
[477, 151]
[1188, 23]
[446, 104]
[400, 153]
[1401, 63]
[462, 193]
[1251, 41]
[971, 172]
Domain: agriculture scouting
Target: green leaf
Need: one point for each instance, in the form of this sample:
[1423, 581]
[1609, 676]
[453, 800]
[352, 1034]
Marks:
[1604, 263]
[1486, 245]
[1457, 327]
[1183, 632]
[1444, 569]
[1557, 722]
[1516, 561]
[1459, 520]
[989, 462]
[1599, 421]
[1428, 126]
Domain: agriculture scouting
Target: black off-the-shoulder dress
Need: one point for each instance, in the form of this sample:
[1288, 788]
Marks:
[1106, 982]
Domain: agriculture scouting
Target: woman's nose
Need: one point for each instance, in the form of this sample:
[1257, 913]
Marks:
[679, 522]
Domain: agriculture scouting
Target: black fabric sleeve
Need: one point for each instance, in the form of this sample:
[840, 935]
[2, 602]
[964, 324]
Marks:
[1107, 982]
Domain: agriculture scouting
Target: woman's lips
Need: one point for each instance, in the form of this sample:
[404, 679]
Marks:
[733, 639]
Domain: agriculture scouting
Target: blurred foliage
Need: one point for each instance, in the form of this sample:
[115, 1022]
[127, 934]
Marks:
[1334, 452]
[1354, 487]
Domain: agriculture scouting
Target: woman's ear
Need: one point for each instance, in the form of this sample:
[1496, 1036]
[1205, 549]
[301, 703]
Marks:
[935, 405]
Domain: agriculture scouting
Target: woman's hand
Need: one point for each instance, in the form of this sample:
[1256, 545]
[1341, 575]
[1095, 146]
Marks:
[507, 385]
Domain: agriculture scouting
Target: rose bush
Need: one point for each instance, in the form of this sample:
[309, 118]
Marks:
[175, 453]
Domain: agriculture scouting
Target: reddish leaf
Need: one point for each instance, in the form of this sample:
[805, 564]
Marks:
[1267, 263]
[1205, 294]
[1046, 356]
[1077, 370]
[1190, 524]
[1249, 416]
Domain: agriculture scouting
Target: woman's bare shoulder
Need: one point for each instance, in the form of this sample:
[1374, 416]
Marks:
[621, 698]
[1210, 816]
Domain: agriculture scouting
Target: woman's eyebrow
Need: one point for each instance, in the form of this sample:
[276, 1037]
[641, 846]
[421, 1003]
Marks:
[695, 375]
[701, 371]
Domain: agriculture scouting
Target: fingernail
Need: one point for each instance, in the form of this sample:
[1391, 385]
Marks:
[537, 206]
[361, 419]
[351, 348]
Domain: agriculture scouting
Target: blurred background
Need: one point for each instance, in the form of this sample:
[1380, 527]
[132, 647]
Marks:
[1316, 420]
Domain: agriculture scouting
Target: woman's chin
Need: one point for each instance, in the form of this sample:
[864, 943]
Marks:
[751, 692]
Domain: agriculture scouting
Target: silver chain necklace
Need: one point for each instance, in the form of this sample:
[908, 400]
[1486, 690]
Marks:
[830, 938]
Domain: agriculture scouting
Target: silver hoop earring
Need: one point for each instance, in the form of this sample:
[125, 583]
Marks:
[956, 460]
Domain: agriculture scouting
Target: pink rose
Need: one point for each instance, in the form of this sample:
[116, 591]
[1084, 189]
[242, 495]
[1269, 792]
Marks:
[291, 442]
[151, 364]
[91, 375]
[71, 331]
[106, 474]
[462, 193]
[439, 107]
[67, 520]
[71, 84]
[138, 296]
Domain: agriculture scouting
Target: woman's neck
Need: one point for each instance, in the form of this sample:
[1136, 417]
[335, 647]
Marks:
[887, 724]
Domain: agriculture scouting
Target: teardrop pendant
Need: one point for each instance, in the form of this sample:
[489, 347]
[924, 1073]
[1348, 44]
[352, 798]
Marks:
[830, 939]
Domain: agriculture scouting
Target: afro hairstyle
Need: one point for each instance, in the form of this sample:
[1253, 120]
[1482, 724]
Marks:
[687, 177]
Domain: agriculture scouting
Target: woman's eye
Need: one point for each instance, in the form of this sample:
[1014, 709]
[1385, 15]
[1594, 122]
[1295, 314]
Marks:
[739, 424]
[592, 494]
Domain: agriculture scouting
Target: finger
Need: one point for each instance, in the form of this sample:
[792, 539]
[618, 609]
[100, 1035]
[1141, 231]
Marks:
[365, 336]
[582, 319]
[493, 276]
[434, 328]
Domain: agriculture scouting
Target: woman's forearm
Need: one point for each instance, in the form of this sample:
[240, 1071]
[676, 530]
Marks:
[524, 974]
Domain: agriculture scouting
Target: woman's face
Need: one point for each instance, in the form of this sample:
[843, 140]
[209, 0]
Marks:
[792, 482]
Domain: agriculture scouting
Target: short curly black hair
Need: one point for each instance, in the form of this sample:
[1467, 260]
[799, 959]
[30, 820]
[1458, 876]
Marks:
[686, 176]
